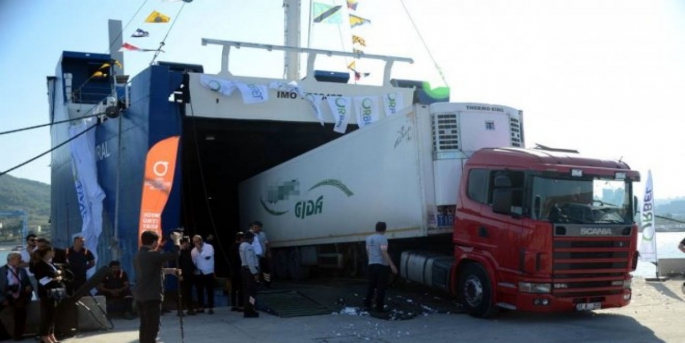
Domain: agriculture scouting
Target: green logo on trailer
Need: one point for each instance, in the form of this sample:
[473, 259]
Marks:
[304, 208]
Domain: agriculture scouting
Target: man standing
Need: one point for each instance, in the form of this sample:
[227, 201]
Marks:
[116, 289]
[79, 260]
[26, 258]
[185, 262]
[380, 266]
[261, 249]
[15, 292]
[149, 292]
[250, 275]
[203, 258]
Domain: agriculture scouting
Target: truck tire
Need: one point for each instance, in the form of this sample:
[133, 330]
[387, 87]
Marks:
[475, 291]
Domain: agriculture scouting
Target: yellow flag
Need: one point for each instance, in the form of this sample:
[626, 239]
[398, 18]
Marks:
[98, 74]
[104, 65]
[118, 64]
[358, 40]
[352, 65]
[156, 17]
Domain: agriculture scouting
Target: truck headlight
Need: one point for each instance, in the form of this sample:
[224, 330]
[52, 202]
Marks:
[530, 287]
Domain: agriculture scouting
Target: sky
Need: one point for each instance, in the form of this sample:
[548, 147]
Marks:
[604, 77]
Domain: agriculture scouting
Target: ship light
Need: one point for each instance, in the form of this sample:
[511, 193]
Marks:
[617, 283]
[577, 172]
[560, 285]
[620, 176]
[530, 287]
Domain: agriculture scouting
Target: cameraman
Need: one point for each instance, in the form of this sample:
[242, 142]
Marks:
[15, 292]
[149, 292]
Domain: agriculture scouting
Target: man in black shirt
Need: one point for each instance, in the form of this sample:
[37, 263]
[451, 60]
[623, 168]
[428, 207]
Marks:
[185, 262]
[149, 292]
[79, 260]
[115, 287]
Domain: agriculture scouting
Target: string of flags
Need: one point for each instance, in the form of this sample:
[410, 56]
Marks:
[155, 17]
[333, 14]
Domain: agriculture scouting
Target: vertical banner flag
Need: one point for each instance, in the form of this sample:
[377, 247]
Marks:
[393, 103]
[88, 192]
[341, 107]
[160, 166]
[648, 224]
[367, 110]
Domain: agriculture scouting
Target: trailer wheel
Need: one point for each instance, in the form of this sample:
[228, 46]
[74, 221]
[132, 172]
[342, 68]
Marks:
[475, 291]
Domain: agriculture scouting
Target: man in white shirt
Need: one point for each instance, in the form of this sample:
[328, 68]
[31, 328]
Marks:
[203, 258]
[261, 249]
[26, 259]
[250, 274]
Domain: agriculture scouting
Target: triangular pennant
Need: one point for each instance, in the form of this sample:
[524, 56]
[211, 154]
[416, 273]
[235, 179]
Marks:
[156, 17]
[352, 65]
[140, 33]
[130, 47]
[352, 4]
[98, 74]
[358, 21]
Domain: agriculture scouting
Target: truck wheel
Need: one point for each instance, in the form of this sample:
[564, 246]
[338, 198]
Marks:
[475, 291]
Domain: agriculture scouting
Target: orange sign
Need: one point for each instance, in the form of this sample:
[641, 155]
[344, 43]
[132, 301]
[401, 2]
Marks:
[160, 166]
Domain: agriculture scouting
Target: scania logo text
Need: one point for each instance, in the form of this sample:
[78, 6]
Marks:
[591, 231]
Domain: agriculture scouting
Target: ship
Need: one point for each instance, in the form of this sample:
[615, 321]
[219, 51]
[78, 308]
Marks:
[229, 126]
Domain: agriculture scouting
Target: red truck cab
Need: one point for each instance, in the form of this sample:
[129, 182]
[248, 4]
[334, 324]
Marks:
[543, 231]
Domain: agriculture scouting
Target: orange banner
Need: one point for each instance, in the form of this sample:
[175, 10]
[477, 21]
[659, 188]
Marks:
[160, 166]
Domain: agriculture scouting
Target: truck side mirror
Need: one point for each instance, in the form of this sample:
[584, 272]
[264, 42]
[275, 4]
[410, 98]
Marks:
[501, 200]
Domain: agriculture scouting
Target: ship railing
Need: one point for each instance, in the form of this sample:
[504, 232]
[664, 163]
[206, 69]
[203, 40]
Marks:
[311, 58]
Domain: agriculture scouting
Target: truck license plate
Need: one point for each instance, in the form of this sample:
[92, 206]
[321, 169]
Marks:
[588, 306]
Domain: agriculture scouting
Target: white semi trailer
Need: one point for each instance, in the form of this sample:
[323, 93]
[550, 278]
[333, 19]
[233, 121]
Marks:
[404, 169]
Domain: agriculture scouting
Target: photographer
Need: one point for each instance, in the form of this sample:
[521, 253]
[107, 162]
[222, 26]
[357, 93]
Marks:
[15, 292]
[50, 291]
[149, 292]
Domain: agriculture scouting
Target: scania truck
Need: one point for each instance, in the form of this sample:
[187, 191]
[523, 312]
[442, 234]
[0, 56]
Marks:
[469, 210]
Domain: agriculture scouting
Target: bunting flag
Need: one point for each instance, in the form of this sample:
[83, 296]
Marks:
[326, 14]
[140, 33]
[367, 110]
[358, 21]
[156, 17]
[160, 167]
[357, 51]
[352, 4]
[130, 47]
[358, 40]
[352, 65]
[98, 74]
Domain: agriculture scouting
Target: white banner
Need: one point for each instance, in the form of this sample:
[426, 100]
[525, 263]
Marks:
[647, 246]
[88, 191]
[252, 93]
[341, 107]
[225, 87]
[315, 101]
[367, 110]
[393, 103]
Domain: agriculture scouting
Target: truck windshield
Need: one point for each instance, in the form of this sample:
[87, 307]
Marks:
[582, 201]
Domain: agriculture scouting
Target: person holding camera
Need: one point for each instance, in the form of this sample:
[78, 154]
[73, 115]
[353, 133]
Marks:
[149, 292]
[50, 291]
[203, 257]
[15, 292]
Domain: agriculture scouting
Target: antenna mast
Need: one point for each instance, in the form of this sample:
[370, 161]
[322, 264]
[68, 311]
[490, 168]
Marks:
[292, 20]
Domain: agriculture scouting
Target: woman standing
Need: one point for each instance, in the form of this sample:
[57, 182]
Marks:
[50, 290]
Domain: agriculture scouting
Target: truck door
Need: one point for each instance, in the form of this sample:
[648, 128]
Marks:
[503, 226]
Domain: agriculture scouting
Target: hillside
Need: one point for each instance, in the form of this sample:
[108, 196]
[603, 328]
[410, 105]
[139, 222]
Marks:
[22, 194]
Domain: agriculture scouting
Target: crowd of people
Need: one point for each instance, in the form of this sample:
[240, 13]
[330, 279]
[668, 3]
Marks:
[50, 275]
